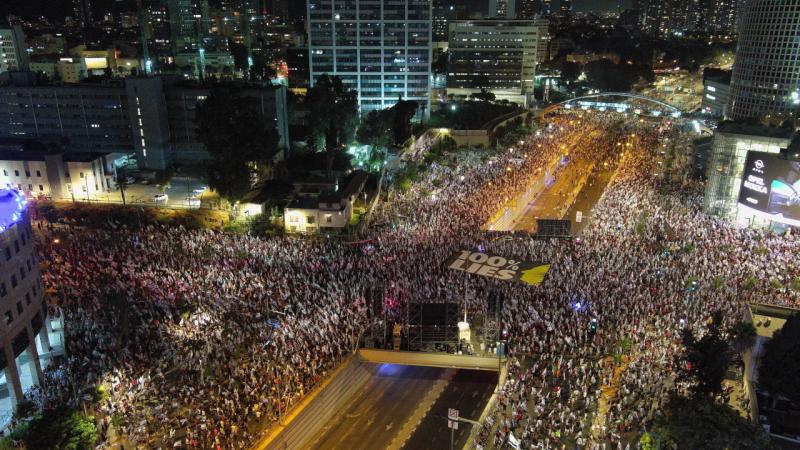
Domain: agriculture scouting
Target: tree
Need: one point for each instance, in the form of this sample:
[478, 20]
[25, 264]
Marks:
[163, 178]
[570, 71]
[484, 96]
[702, 424]
[333, 116]
[402, 113]
[709, 357]
[61, 428]
[122, 182]
[743, 336]
[241, 141]
[607, 76]
[779, 373]
[376, 129]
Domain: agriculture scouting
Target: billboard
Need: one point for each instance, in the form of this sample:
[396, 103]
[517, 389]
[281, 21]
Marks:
[499, 267]
[771, 187]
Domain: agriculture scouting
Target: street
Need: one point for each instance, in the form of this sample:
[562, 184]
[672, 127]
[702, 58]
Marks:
[400, 405]
[378, 412]
[468, 392]
[178, 194]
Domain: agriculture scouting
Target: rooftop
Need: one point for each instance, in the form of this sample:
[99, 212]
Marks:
[12, 208]
[752, 129]
[7, 154]
[768, 319]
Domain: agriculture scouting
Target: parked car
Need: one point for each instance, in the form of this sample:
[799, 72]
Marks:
[160, 198]
[199, 190]
[130, 180]
[192, 201]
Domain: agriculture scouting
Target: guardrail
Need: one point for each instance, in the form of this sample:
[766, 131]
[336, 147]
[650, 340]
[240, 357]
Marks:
[443, 360]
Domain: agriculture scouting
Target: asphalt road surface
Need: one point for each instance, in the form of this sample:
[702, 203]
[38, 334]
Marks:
[468, 392]
[378, 412]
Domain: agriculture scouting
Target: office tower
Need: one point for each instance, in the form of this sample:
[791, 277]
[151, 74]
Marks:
[439, 22]
[502, 9]
[722, 16]
[83, 11]
[13, 52]
[380, 49]
[765, 84]
[496, 55]
[153, 117]
[188, 22]
[663, 18]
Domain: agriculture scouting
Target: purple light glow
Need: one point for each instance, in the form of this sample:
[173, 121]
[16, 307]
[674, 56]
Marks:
[12, 208]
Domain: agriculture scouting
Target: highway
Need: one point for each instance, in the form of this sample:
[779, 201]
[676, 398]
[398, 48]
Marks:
[468, 392]
[380, 410]
[575, 185]
[553, 201]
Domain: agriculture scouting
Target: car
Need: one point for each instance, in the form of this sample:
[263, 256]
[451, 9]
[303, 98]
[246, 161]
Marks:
[199, 190]
[130, 180]
[160, 198]
[144, 181]
[191, 201]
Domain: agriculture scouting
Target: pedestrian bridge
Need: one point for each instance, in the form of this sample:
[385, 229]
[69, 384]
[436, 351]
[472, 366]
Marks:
[443, 360]
[620, 102]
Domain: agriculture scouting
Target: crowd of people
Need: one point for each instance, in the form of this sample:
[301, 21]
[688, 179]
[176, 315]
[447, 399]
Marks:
[205, 338]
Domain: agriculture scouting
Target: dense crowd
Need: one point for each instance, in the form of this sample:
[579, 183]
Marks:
[205, 338]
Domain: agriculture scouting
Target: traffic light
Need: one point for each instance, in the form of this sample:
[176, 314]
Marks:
[593, 326]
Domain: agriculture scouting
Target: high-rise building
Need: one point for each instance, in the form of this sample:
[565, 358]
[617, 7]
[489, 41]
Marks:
[711, 16]
[189, 21]
[496, 55]
[279, 9]
[379, 48]
[13, 52]
[439, 21]
[722, 16]
[83, 11]
[765, 83]
[502, 9]
[668, 17]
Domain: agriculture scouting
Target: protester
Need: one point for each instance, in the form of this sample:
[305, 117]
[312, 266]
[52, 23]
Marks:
[205, 338]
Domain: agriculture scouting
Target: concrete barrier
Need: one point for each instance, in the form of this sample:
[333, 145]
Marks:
[444, 360]
[306, 419]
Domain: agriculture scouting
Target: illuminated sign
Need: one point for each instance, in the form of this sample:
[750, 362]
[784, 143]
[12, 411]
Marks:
[499, 267]
[771, 188]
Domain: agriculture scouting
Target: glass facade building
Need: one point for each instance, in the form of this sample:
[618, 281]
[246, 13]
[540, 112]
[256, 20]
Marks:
[725, 167]
[379, 48]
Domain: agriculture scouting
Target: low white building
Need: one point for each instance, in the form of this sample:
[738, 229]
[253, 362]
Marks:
[330, 211]
[73, 176]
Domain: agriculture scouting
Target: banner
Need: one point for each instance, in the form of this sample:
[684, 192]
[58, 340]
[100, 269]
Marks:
[499, 267]
[771, 187]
